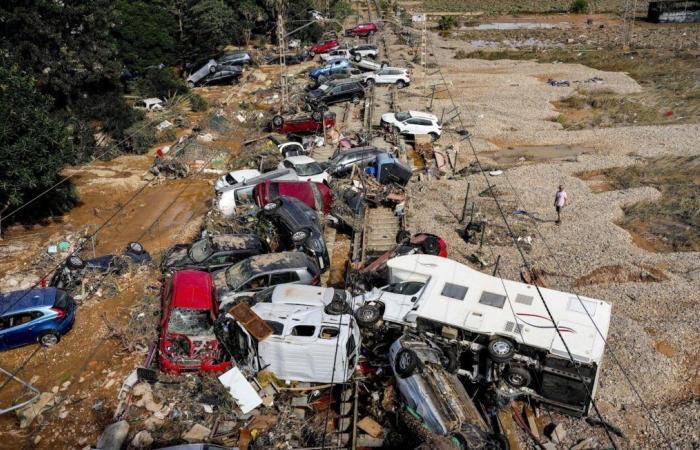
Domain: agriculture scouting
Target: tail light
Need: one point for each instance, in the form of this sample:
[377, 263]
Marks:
[60, 314]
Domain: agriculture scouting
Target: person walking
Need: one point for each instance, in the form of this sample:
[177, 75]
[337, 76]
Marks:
[559, 202]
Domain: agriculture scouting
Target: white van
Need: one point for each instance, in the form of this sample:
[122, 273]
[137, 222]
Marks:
[304, 340]
[501, 320]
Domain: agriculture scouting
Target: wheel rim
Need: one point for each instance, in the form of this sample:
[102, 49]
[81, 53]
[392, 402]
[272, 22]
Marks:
[501, 348]
[367, 314]
[49, 339]
[405, 362]
[76, 261]
[516, 379]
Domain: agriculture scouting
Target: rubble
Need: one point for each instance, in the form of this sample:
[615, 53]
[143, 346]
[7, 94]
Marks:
[113, 436]
[198, 433]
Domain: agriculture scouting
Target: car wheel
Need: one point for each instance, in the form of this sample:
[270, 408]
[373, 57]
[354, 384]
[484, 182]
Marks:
[450, 360]
[406, 362]
[212, 68]
[357, 57]
[370, 82]
[402, 236]
[317, 115]
[368, 315]
[337, 307]
[135, 247]
[356, 99]
[400, 84]
[49, 338]
[517, 376]
[278, 121]
[395, 129]
[430, 246]
[75, 262]
[501, 349]
[190, 84]
[299, 236]
[272, 206]
[434, 136]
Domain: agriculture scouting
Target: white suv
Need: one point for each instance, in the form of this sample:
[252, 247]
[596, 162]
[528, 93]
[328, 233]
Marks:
[367, 50]
[388, 75]
[306, 168]
[413, 122]
[338, 53]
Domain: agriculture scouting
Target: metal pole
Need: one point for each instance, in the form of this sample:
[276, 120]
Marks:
[471, 215]
[483, 233]
[498, 261]
[464, 207]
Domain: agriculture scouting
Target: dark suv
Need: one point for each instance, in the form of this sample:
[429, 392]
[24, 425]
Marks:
[335, 92]
[299, 228]
[341, 162]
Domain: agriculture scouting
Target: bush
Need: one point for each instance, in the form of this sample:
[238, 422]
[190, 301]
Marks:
[579, 6]
[140, 137]
[160, 83]
[198, 103]
[447, 23]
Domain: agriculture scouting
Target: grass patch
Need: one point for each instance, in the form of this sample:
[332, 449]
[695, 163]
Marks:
[499, 7]
[605, 108]
[670, 94]
[673, 222]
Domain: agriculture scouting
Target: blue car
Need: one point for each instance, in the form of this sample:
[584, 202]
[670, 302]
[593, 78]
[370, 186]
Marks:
[36, 315]
[331, 67]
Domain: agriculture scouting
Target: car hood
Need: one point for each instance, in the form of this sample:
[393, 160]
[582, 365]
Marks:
[389, 118]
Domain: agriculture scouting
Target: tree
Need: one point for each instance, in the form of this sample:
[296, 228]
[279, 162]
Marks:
[207, 27]
[34, 147]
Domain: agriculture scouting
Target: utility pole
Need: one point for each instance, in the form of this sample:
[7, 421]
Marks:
[423, 53]
[280, 43]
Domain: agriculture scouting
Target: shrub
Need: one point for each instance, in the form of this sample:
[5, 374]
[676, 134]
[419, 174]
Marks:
[447, 23]
[139, 138]
[160, 83]
[198, 103]
[579, 6]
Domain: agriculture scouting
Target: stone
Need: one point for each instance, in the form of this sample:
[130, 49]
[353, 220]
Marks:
[113, 436]
[65, 385]
[197, 433]
[30, 412]
[558, 434]
[143, 439]
[207, 408]
[586, 444]
[153, 423]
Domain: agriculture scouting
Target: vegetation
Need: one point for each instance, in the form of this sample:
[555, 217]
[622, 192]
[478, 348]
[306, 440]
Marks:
[579, 6]
[673, 222]
[605, 108]
[500, 7]
[447, 23]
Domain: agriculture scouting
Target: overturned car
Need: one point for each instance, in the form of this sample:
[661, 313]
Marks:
[213, 252]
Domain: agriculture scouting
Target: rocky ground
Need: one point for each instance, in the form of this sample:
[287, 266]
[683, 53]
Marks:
[507, 105]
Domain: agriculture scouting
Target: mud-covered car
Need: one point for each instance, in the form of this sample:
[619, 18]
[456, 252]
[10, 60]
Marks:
[259, 272]
[189, 310]
[303, 123]
[298, 228]
[215, 252]
[71, 271]
[425, 376]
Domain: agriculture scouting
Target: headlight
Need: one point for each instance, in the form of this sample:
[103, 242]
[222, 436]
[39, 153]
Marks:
[299, 236]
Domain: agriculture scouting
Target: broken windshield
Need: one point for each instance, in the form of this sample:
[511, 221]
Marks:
[305, 170]
[190, 322]
[238, 274]
[200, 250]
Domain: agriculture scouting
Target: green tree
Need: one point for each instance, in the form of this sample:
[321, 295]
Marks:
[207, 28]
[34, 147]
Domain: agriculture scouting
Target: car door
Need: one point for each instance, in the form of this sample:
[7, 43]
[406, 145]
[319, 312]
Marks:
[20, 329]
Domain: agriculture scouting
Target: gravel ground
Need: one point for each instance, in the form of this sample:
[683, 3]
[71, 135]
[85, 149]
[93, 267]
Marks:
[654, 332]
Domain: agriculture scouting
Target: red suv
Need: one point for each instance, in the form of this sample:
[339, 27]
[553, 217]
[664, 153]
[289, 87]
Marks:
[363, 29]
[303, 123]
[187, 340]
[315, 195]
[324, 47]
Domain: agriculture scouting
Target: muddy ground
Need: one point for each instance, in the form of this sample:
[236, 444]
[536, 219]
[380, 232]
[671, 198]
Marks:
[511, 111]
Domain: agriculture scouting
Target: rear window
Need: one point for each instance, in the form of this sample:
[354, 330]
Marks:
[62, 300]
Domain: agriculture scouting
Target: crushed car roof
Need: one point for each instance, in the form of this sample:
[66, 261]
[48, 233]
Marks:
[192, 289]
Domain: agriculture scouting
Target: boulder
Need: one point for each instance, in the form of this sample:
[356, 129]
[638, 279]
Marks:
[113, 436]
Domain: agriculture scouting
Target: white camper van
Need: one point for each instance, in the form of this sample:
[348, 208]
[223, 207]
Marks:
[500, 321]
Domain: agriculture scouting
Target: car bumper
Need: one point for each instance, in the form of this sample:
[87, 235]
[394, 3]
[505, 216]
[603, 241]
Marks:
[169, 366]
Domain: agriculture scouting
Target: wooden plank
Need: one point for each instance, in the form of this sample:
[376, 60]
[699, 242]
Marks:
[370, 426]
[257, 327]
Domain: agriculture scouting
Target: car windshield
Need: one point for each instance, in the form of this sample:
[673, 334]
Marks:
[200, 250]
[244, 196]
[238, 274]
[305, 170]
[401, 116]
[190, 322]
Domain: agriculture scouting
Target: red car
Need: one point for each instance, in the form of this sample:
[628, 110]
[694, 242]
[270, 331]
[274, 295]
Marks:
[303, 123]
[316, 195]
[187, 340]
[363, 29]
[324, 47]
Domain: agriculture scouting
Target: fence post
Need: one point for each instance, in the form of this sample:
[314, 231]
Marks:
[495, 268]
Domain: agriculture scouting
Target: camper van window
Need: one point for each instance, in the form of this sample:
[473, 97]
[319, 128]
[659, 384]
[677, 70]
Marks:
[304, 330]
[524, 299]
[491, 299]
[276, 327]
[454, 291]
[406, 288]
[328, 333]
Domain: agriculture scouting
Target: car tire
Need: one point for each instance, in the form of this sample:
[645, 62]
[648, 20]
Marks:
[406, 362]
[75, 262]
[450, 361]
[402, 236]
[355, 99]
[190, 84]
[278, 121]
[357, 57]
[517, 376]
[395, 129]
[400, 84]
[272, 206]
[212, 69]
[430, 245]
[368, 315]
[317, 115]
[370, 82]
[337, 308]
[433, 136]
[135, 247]
[501, 349]
[49, 338]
